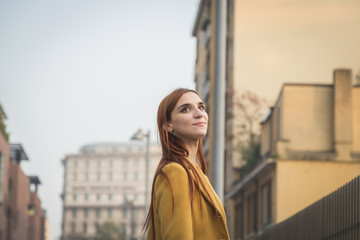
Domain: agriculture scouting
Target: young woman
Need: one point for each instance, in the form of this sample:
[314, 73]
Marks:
[183, 205]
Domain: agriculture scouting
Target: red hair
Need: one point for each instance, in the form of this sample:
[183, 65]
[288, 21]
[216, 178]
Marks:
[173, 150]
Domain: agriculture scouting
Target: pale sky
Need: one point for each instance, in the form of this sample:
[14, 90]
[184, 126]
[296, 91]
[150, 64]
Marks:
[85, 71]
[79, 72]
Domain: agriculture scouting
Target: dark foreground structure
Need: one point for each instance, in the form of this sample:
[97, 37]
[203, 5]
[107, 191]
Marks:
[335, 217]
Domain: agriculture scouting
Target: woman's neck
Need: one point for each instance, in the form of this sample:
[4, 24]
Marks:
[193, 149]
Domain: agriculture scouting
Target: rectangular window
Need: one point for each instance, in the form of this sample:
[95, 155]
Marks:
[74, 197]
[239, 222]
[251, 218]
[110, 176]
[124, 213]
[86, 212]
[266, 203]
[126, 162]
[86, 197]
[87, 163]
[110, 196]
[134, 213]
[110, 213]
[98, 176]
[99, 163]
[98, 197]
[75, 176]
[125, 176]
[73, 227]
[98, 212]
[85, 228]
[74, 213]
[75, 163]
[87, 176]
[110, 163]
[136, 176]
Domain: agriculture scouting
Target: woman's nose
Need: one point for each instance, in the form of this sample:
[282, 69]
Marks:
[199, 113]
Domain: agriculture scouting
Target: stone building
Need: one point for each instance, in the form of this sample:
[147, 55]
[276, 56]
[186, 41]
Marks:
[106, 183]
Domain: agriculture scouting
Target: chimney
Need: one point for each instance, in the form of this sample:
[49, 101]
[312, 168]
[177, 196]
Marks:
[343, 114]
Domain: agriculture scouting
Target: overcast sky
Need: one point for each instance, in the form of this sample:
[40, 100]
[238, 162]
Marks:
[79, 72]
[86, 71]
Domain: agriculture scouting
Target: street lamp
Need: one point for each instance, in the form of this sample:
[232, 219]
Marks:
[139, 136]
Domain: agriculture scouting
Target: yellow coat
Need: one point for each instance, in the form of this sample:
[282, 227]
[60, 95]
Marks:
[182, 222]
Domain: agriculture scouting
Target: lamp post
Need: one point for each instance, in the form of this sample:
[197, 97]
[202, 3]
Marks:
[139, 135]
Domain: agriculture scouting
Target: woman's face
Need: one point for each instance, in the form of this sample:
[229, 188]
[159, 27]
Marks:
[189, 118]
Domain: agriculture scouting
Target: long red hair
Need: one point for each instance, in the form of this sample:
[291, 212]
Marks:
[173, 150]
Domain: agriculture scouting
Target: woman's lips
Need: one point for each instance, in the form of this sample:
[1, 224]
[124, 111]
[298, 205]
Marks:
[200, 124]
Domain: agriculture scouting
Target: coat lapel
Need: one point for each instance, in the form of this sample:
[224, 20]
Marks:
[216, 200]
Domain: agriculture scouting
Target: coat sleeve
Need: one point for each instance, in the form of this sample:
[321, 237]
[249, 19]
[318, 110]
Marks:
[175, 220]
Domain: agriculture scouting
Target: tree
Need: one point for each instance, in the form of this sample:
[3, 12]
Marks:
[109, 231]
[2, 124]
[249, 109]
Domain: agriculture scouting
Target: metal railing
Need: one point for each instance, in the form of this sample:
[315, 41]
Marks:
[334, 217]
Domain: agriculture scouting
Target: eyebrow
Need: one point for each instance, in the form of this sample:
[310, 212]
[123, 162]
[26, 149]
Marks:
[188, 105]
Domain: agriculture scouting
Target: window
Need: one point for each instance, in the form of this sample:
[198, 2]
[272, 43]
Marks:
[85, 227]
[98, 176]
[98, 197]
[98, 212]
[74, 197]
[31, 210]
[136, 175]
[134, 213]
[125, 199]
[126, 162]
[124, 213]
[251, 218]
[110, 176]
[87, 163]
[75, 163]
[75, 176]
[266, 203]
[239, 222]
[125, 176]
[110, 163]
[86, 212]
[74, 213]
[86, 197]
[99, 163]
[110, 196]
[72, 227]
[136, 162]
[110, 213]
[87, 176]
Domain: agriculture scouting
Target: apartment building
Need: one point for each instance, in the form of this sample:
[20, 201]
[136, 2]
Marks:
[21, 214]
[310, 146]
[106, 182]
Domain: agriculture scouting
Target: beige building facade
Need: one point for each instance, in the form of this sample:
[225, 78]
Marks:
[106, 183]
[309, 147]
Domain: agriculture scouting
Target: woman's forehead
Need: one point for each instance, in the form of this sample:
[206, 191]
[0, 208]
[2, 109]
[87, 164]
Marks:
[189, 97]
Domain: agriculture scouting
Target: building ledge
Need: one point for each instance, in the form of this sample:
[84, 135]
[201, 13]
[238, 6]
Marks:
[256, 171]
[311, 155]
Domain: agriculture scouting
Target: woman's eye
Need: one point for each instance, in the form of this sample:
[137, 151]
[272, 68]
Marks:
[186, 109]
[202, 107]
